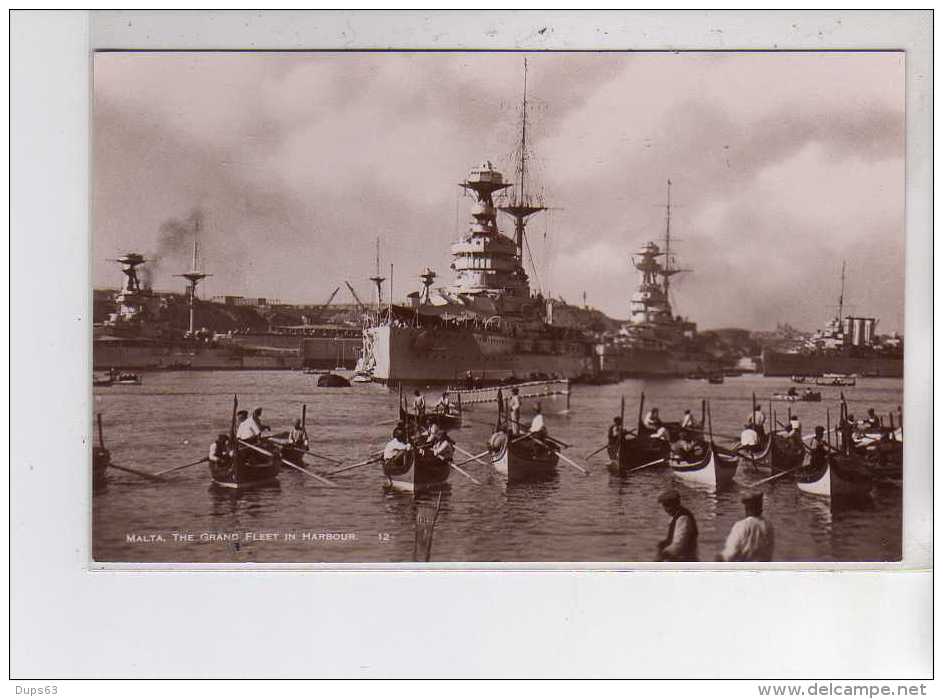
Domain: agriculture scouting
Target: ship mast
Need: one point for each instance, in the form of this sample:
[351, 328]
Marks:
[667, 272]
[194, 276]
[841, 296]
[521, 208]
[378, 280]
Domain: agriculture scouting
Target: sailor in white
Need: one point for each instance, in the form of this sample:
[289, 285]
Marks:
[751, 538]
[396, 446]
[537, 427]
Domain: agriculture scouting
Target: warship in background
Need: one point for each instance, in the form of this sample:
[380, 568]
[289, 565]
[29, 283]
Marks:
[848, 345]
[654, 342]
[140, 333]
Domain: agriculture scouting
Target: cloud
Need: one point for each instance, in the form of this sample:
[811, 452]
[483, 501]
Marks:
[299, 161]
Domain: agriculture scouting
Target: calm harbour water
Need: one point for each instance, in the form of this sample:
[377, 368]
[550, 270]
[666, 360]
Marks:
[172, 418]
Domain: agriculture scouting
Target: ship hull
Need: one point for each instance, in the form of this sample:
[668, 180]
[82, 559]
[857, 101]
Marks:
[786, 364]
[408, 354]
[652, 363]
[242, 352]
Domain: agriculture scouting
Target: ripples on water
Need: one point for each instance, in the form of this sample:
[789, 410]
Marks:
[173, 417]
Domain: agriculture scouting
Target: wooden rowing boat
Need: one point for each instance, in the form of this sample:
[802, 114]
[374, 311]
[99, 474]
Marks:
[416, 471]
[636, 451]
[713, 469]
[247, 468]
[523, 459]
[447, 421]
[835, 476]
[814, 397]
[760, 458]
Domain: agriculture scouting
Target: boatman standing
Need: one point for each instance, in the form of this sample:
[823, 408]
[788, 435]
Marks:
[419, 405]
[794, 429]
[681, 542]
[615, 429]
[758, 420]
[514, 410]
[298, 436]
[751, 538]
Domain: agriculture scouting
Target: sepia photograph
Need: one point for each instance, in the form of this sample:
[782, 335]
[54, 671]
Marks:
[393, 306]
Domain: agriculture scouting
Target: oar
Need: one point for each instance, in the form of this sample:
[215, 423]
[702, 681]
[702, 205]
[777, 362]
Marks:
[179, 468]
[374, 460]
[650, 463]
[590, 456]
[773, 478]
[142, 474]
[471, 456]
[289, 464]
[465, 473]
[474, 457]
[564, 457]
[318, 456]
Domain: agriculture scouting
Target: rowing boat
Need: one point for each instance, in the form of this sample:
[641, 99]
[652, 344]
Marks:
[247, 468]
[520, 458]
[714, 469]
[834, 475]
[812, 397]
[636, 451]
[416, 471]
[760, 458]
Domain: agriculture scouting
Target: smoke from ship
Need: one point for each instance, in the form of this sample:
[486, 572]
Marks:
[174, 241]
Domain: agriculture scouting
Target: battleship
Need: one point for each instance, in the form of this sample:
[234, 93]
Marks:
[142, 331]
[487, 323]
[655, 342]
[849, 344]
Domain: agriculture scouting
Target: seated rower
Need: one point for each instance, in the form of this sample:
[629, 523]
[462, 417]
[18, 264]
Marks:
[537, 428]
[442, 447]
[792, 392]
[662, 433]
[397, 445]
[298, 436]
[794, 429]
[219, 450]
[443, 406]
[687, 421]
[652, 420]
[749, 439]
[872, 421]
[818, 446]
[615, 429]
[250, 430]
[686, 448]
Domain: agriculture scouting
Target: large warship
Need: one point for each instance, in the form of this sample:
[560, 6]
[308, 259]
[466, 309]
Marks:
[143, 331]
[654, 341]
[487, 323]
[848, 344]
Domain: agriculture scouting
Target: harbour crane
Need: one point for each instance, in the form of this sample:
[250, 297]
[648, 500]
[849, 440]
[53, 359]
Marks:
[319, 311]
[363, 308]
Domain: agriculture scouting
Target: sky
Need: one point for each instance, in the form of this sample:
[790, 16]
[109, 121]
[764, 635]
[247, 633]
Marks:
[782, 165]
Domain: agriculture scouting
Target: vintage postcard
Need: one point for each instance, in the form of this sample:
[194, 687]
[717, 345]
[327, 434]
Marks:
[471, 307]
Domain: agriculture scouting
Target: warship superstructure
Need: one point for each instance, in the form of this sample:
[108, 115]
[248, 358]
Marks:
[848, 344]
[487, 322]
[654, 341]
